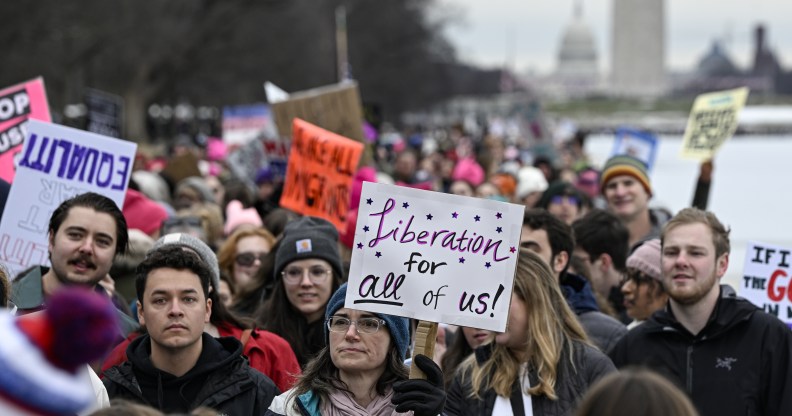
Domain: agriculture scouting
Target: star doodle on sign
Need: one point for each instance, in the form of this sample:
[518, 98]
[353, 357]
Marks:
[365, 228]
[487, 265]
[512, 249]
[378, 254]
[477, 218]
[499, 229]
[360, 245]
[499, 215]
[429, 217]
[405, 205]
[369, 201]
[454, 215]
[461, 259]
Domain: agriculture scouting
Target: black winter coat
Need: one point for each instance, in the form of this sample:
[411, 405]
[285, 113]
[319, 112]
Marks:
[221, 380]
[739, 364]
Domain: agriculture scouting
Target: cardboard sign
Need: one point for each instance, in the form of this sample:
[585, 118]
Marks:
[243, 123]
[57, 163]
[641, 145]
[433, 256]
[104, 113]
[319, 173]
[713, 120]
[767, 279]
[19, 103]
[335, 108]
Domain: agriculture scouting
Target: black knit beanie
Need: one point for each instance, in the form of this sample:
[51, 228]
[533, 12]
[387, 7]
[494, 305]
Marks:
[308, 238]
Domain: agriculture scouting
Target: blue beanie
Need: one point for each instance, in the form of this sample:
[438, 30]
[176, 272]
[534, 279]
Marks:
[398, 326]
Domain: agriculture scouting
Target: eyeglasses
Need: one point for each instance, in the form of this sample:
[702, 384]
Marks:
[636, 277]
[181, 222]
[559, 199]
[247, 258]
[363, 325]
[317, 274]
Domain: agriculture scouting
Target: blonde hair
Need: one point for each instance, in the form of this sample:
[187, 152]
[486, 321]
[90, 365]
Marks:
[687, 216]
[552, 328]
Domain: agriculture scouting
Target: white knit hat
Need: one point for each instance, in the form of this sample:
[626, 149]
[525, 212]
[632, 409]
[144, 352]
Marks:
[530, 179]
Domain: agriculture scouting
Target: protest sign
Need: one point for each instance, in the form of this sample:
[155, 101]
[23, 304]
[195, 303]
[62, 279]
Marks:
[335, 108]
[713, 120]
[57, 163]
[319, 173]
[641, 145]
[433, 256]
[18, 103]
[767, 279]
[104, 113]
[243, 123]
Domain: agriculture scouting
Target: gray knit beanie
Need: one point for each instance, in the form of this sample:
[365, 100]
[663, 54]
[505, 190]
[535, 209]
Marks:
[199, 247]
[309, 238]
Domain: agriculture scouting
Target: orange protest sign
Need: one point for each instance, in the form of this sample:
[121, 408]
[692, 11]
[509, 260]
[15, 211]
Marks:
[319, 173]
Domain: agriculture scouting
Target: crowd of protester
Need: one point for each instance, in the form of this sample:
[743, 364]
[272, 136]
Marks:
[217, 308]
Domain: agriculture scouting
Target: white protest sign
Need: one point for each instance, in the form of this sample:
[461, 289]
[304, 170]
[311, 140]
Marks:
[767, 279]
[433, 256]
[57, 163]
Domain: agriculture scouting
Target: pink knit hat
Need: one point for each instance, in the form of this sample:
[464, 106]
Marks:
[469, 170]
[237, 214]
[646, 258]
[142, 213]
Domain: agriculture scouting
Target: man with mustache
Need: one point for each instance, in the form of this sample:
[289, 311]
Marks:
[85, 234]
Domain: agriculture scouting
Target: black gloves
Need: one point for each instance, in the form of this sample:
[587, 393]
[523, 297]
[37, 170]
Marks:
[423, 397]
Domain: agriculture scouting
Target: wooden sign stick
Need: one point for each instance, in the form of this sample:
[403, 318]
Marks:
[425, 337]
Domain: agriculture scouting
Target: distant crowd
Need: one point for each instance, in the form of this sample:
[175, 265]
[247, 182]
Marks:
[202, 296]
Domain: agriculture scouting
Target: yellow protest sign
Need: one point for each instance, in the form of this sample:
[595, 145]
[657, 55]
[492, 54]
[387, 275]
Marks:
[713, 120]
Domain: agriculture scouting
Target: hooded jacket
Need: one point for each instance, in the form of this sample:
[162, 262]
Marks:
[603, 330]
[573, 380]
[740, 363]
[221, 380]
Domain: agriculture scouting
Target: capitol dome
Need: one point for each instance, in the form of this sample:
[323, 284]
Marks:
[716, 63]
[578, 53]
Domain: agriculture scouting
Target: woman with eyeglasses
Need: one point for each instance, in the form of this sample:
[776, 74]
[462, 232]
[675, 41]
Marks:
[307, 271]
[542, 365]
[643, 288]
[242, 255]
[360, 370]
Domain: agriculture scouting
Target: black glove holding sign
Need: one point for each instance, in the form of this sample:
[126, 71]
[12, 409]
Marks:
[423, 397]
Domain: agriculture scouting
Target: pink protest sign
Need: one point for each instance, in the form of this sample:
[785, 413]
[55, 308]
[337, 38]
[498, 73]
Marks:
[18, 103]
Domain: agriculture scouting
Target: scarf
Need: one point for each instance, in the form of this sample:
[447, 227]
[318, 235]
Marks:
[342, 404]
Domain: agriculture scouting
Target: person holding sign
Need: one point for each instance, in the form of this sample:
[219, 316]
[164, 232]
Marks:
[307, 271]
[361, 372]
[543, 363]
[731, 357]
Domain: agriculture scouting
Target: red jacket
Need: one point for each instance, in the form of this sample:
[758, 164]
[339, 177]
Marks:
[267, 353]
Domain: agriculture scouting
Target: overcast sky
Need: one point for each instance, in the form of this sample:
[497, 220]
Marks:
[528, 32]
